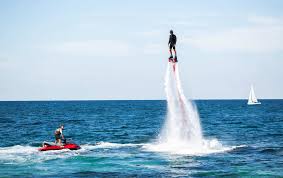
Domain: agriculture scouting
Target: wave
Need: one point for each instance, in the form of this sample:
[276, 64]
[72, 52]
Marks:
[20, 154]
[272, 150]
[106, 145]
[29, 154]
[115, 145]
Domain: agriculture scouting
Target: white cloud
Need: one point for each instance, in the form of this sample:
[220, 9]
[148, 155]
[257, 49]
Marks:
[265, 20]
[250, 39]
[97, 48]
[150, 33]
[153, 49]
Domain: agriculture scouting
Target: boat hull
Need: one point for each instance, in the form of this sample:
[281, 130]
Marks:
[254, 103]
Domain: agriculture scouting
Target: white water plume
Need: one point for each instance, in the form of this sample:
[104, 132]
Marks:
[182, 123]
[182, 133]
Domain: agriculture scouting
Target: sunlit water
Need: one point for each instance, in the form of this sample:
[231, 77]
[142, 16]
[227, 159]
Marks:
[116, 137]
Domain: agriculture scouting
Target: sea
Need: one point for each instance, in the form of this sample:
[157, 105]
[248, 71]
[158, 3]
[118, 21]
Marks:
[119, 138]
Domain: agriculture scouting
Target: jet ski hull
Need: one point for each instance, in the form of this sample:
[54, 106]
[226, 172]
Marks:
[70, 146]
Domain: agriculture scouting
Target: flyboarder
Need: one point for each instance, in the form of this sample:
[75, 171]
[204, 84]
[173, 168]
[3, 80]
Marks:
[172, 43]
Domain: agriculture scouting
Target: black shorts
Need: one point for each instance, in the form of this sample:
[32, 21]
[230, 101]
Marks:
[57, 137]
[172, 46]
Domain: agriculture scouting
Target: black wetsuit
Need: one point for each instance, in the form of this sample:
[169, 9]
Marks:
[172, 41]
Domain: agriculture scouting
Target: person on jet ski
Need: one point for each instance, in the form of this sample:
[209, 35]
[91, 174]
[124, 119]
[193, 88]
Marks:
[59, 135]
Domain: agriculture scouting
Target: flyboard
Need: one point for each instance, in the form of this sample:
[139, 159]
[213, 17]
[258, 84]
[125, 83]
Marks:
[173, 61]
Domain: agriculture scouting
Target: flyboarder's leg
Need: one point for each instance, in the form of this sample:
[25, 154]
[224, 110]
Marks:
[170, 50]
[175, 52]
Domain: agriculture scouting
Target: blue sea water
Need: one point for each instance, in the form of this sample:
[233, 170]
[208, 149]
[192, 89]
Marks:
[112, 135]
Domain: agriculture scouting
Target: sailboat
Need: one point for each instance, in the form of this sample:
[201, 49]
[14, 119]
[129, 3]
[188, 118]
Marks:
[252, 98]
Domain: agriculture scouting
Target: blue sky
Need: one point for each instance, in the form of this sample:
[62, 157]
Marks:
[118, 49]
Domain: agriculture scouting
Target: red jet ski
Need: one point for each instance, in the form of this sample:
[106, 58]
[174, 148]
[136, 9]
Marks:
[51, 146]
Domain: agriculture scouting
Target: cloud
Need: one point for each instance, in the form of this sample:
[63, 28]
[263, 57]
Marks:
[154, 49]
[151, 33]
[96, 48]
[259, 37]
[265, 20]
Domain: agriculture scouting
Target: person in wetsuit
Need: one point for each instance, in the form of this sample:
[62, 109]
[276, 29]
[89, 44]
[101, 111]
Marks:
[59, 135]
[172, 43]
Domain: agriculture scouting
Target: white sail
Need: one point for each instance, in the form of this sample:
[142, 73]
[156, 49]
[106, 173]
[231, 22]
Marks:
[252, 98]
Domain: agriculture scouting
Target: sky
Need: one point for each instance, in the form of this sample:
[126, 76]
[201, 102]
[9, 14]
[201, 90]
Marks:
[111, 50]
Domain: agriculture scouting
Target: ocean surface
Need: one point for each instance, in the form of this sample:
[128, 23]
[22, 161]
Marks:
[115, 136]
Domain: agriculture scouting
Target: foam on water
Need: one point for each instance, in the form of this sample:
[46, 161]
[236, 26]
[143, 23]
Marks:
[182, 133]
[28, 154]
[114, 145]
[19, 154]
[207, 147]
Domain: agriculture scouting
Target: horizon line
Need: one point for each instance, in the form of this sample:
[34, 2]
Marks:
[199, 99]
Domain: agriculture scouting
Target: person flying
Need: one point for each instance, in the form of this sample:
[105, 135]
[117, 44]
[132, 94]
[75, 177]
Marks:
[172, 43]
[59, 135]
